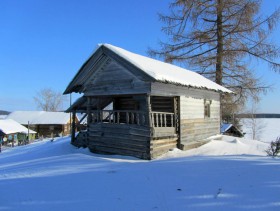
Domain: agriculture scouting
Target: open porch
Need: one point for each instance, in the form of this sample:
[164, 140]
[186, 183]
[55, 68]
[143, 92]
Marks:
[140, 126]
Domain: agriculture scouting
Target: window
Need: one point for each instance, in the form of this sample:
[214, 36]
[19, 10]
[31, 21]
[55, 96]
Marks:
[207, 109]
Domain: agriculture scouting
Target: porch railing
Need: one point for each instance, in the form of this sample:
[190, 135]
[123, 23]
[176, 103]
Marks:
[120, 116]
[162, 119]
[157, 119]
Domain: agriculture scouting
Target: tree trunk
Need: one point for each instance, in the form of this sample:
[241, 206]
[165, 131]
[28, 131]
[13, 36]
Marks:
[219, 58]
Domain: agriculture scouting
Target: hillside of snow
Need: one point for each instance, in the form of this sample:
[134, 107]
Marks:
[225, 174]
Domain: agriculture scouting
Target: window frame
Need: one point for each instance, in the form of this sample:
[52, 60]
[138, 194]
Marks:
[207, 108]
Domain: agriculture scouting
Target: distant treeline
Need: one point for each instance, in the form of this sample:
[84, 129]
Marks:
[4, 112]
[258, 115]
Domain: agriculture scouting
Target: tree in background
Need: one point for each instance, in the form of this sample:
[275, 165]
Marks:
[274, 148]
[49, 100]
[218, 39]
[255, 126]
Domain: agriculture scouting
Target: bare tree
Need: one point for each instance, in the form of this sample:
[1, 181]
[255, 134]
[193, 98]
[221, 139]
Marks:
[218, 39]
[49, 100]
[255, 126]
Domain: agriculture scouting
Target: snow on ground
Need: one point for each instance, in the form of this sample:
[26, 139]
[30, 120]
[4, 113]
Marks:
[224, 145]
[267, 128]
[57, 176]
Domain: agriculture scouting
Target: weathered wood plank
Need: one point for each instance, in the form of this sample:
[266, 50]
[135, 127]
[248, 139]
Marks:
[162, 104]
[127, 126]
[164, 147]
[123, 139]
[118, 144]
[194, 130]
[159, 89]
[163, 131]
[85, 71]
[112, 89]
[108, 150]
[128, 65]
[163, 141]
[161, 151]
[191, 145]
[137, 138]
[80, 140]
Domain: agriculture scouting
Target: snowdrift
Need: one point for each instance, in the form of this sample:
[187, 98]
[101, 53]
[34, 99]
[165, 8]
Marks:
[57, 176]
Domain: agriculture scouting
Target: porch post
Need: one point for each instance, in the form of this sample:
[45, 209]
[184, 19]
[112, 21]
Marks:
[73, 126]
[89, 117]
[149, 109]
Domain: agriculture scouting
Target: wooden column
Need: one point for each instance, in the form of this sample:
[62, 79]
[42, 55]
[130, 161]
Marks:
[149, 110]
[73, 126]
[89, 117]
[99, 113]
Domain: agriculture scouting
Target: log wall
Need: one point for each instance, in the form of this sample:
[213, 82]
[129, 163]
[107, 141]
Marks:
[123, 139]
[162, 104]
[131, 140]
[194, 126]
[163, 139]
[114, 79]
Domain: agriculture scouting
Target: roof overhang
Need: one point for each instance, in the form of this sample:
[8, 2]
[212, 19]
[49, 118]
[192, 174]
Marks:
[80, 105]
[144, 68]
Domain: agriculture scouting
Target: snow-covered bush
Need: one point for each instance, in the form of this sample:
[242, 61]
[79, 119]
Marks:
[274, 148]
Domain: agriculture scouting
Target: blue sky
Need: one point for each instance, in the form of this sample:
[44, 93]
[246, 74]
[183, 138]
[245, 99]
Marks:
[44, 42]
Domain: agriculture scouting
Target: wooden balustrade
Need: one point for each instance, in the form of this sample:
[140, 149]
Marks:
[157, 119]
[162, 119]
[120, 116]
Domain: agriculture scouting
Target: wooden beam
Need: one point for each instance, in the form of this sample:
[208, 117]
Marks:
[73, 126]
[85, 115]
[89, 117]
[148, 104]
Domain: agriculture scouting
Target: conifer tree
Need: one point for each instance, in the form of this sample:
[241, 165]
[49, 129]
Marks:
[219, 39]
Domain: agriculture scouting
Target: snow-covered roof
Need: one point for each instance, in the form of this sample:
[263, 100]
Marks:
[39, 117]
[152, 69]
[225, 127]
[9, 126]
[2, 116]
[230, 128]
[166, 72]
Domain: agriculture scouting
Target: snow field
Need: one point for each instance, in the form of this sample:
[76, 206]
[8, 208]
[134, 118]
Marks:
[57, 176]
[267, 128]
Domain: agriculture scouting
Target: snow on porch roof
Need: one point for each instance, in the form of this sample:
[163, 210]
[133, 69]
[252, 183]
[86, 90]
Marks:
[39, 117]
[9, 126]
[165, 72]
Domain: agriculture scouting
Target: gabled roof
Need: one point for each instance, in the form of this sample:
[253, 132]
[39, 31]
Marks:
[153, 70]
[9, 126]
[39, 117]
[225, 127]
[230, 128]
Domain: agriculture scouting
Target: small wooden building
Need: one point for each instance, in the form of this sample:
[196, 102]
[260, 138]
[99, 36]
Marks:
[14, 132]
[155, 106]
[46, 124]
[231, 130]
